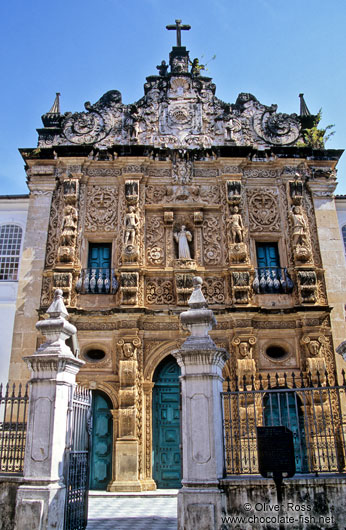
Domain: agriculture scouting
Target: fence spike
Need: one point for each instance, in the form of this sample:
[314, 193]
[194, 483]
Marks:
[260, 382]
[26, 390]
[236, 384]
[277, 379]
[7, 390]
[318, 378]
[252, 382]
[327, 379]
[14, 390]
[285, 378]
[310, 383]
[343, 377]
[244, 382]
[0, 390]
[268, 377]
[302, 380]
[293, 380]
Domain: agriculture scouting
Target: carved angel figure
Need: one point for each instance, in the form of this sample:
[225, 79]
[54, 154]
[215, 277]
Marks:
[182, 238]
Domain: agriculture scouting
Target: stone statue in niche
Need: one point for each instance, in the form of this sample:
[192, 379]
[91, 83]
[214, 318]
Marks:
[300, 239]
[299, 226]
[236, 226]
[238, 249]
[69, 226]
[183, 238]
[131, 223]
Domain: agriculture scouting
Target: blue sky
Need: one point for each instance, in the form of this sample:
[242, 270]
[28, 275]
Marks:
[274, 49]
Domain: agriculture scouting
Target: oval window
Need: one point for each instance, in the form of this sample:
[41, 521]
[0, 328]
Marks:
[275, 352]
[95, 355]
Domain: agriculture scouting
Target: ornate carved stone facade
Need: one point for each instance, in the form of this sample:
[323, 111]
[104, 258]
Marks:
[143, 197]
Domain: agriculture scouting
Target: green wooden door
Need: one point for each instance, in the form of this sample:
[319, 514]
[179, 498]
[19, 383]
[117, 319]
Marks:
[102, 443]
[166, 425]
[267, 255]
[99, 255]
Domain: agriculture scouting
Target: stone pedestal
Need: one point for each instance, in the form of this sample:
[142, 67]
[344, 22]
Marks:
[201, 363]
[40, 501]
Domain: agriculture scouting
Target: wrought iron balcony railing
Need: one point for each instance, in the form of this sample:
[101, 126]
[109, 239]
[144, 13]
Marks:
[272, 280]
[97, 281]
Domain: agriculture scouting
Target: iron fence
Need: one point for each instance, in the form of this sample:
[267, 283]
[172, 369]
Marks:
[13, 417]
[309, 406]
[77, 460]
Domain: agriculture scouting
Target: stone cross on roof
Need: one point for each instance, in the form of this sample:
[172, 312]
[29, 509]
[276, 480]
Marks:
[178, 27]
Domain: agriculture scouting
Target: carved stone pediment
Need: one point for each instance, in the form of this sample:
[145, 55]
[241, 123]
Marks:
[177, 112]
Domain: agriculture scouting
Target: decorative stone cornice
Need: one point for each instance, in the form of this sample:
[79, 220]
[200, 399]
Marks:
[321, 189]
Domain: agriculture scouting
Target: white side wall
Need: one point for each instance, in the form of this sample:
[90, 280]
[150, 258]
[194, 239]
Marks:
[12, 211]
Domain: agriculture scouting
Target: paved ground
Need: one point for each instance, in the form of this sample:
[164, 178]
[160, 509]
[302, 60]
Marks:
[124, 511]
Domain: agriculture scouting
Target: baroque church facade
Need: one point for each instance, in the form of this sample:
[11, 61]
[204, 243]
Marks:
[128, 203]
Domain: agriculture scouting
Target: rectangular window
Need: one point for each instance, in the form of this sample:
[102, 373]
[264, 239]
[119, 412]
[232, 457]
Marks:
[98, 277]
[270, 278]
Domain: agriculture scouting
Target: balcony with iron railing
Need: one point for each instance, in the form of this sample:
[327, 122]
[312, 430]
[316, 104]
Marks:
[97, 281]
[272, 280]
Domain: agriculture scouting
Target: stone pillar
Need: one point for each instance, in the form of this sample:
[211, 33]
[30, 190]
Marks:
[201, 363]
[333, 259]
[127, 446]
[40, 501]
[41, 187]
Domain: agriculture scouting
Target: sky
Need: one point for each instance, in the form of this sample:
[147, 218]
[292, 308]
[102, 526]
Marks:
[274, 49]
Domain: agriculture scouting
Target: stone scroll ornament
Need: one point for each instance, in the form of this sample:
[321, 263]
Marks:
[99, 121]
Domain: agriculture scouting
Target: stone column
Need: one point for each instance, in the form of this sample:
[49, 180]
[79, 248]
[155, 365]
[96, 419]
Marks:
[31, 268]
[201, 363]
[40, 501]
[333, 258]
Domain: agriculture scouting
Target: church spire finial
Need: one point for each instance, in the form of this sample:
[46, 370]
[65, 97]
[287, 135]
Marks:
[304, 111]
[178, 27]
[53, 116]
[55, 109]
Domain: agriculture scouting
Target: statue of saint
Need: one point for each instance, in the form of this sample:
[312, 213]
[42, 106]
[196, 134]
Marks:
[236, 226]
[131, 222]
[299, 226]
[182, 238]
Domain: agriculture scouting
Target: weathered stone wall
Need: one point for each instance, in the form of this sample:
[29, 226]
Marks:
[8, 494]
[307, 503]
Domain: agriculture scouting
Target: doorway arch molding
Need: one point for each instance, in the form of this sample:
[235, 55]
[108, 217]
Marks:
[157, 354]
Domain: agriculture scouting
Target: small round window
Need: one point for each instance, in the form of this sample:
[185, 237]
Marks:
[275, 352]
[95, 355]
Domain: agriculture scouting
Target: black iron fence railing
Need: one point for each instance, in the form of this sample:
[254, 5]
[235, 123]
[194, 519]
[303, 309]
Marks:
[309, 406]
[272, 280]
[97, 281]
[76, 463]
[13, 416]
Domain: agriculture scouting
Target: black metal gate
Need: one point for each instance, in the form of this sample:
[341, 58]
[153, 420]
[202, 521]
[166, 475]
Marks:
[77, 461]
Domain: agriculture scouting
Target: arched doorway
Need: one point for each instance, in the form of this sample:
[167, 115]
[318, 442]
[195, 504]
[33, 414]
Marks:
[285, 408]
[166, 425]
[101, 442]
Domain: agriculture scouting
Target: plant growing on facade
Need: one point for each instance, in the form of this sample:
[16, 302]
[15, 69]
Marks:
[315, 137]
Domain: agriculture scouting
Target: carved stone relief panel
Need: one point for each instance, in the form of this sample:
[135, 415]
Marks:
[243, 347]
[155, 240]
[214, 290]
[313, 348]
[159, 291]
[212, 240]
[101, 208]
[54, 226]
[263, 208]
